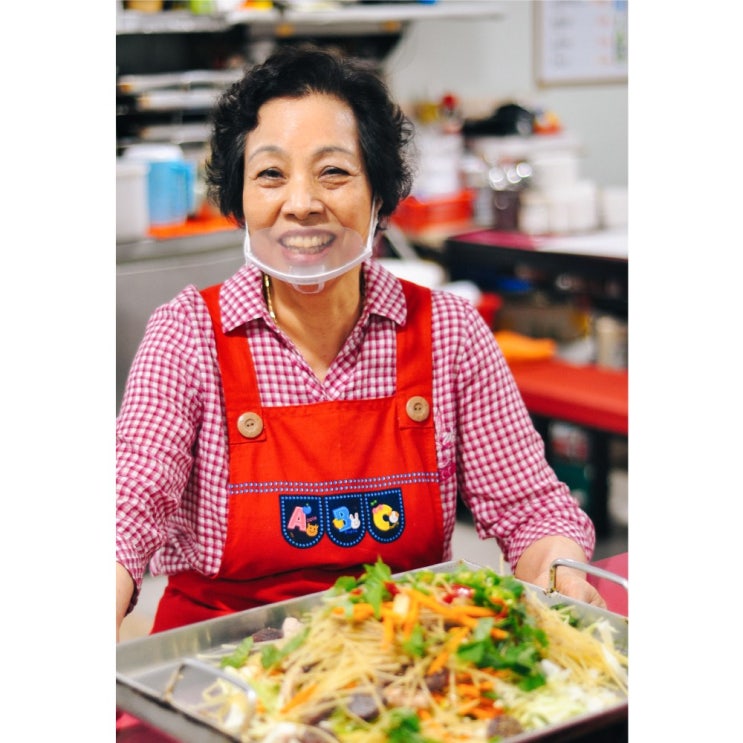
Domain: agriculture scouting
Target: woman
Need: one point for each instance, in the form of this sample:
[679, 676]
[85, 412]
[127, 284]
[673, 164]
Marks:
[313, 412]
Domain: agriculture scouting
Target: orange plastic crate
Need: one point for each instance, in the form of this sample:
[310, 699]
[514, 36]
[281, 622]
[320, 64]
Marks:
[417, 214]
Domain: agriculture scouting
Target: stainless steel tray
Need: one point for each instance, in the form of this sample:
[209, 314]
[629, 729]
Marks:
[147, 667]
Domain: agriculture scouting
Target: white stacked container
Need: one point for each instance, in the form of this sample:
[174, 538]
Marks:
[132, 221]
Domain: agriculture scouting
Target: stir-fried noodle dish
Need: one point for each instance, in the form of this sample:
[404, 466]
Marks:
[420, 658]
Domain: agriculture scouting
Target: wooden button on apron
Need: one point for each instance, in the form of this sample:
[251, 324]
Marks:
[250, 425]
[417, 408]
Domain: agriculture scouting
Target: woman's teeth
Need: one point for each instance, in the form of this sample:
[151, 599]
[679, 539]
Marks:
[306, 243]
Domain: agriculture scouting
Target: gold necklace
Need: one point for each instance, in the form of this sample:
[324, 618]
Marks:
[267, 296]
[269, 303]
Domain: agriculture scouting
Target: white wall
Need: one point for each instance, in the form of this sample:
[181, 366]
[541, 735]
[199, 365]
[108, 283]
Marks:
[489, 61]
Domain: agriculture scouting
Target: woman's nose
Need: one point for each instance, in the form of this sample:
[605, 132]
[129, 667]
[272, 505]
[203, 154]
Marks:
[301, 198]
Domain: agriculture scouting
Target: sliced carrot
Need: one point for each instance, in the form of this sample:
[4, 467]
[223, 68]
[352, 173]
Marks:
[460, 614]
[456, 636]
[467, 707]
[388, 628]
[468, 690]
[455, 639]
[429, 601]
[465, 614]
[301, 696]
[438, 662]
[473, 611]
[503, 610]
[439, 697]
[470, 622]
[411, 618]
[360, 612]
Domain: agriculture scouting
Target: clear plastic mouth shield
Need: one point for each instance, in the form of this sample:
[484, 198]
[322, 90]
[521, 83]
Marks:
[308, 257]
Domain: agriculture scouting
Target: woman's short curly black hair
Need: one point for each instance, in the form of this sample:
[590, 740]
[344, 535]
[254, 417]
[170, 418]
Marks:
[294, 72]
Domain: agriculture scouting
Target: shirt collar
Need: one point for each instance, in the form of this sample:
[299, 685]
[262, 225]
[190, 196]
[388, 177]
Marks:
[241, 296]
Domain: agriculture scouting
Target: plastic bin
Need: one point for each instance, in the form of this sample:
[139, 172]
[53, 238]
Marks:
[413, 215]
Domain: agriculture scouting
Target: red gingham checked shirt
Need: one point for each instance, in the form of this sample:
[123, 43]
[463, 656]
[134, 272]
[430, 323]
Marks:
[172, 464]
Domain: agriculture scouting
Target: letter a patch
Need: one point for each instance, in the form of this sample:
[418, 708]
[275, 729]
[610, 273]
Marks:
[301, 520]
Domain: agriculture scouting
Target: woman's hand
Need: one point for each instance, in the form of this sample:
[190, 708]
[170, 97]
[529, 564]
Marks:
[535, 563]
[570, 582]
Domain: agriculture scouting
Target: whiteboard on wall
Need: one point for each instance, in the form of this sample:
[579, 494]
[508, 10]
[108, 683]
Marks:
[580, 41]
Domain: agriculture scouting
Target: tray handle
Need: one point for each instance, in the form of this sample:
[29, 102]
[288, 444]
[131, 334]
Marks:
[586, 568]
[213, 673]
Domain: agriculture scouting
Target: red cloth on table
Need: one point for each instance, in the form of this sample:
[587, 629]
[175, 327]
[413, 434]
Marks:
[616, 596]
[585, 395]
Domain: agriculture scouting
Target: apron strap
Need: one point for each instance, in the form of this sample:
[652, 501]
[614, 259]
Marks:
[415, 360]
[243, 406]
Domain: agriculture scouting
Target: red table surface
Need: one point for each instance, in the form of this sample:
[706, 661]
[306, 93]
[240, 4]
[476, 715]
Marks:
[586, 395]
[503, 239]
[616, 596]
[131, 730]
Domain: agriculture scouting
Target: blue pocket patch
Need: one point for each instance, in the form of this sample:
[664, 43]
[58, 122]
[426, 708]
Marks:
[301, 520]
[384, 513]
[344, 519]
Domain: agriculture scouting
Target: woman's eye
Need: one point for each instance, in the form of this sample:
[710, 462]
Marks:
[333, 170]
[271, 173]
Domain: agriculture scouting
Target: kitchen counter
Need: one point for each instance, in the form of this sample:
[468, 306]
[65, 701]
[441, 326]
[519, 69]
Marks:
[601, 254]
[196, 236]
[152, 271]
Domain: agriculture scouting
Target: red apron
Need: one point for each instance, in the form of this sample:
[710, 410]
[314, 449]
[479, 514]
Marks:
[317, 491]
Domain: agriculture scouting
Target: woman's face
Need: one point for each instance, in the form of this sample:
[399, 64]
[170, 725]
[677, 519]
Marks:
[304, 170]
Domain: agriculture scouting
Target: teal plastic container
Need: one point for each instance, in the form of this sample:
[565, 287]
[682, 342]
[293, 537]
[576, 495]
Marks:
[171, 182]
[170, 192]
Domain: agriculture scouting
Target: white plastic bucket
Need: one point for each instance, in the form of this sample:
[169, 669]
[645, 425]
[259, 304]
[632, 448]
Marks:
[132, 220]
[170, 183]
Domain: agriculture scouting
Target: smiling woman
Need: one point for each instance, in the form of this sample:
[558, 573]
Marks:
[313, 413]
[304, 183]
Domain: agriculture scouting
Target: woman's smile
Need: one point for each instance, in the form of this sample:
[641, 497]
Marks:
[306, 243]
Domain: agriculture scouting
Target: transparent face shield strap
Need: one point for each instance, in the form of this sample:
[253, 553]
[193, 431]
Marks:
[266, 251]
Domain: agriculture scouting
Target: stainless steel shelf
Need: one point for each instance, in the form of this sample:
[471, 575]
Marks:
[151, 249]
[345, 19]
[171, 21]
[380, 12]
